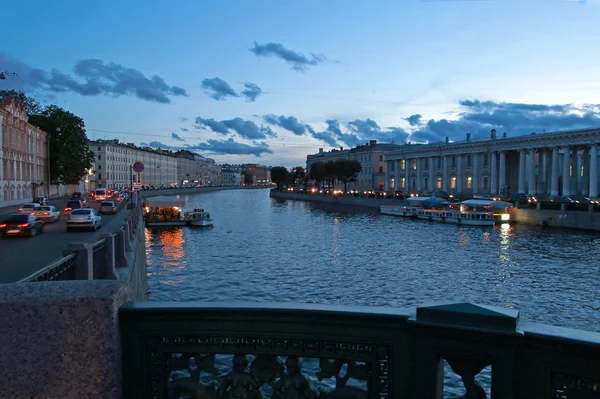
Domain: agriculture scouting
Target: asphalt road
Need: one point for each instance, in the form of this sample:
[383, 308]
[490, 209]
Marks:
[23, 256]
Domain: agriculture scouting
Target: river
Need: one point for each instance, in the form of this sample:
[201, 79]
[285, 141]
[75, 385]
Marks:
[261, 249]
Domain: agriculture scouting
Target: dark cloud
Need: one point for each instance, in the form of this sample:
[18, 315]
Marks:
[325, 136]
[368, 129]
[92, 78]
[158, 144]
[218, 89]
[288, 123]
[183, 129]
[251, 91]
[298, 61]
[229, 146]
[244, 128]
[414, 120]
[176, 137]
[479, 117]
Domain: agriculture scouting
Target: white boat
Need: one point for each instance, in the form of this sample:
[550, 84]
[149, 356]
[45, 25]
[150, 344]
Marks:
[500, 209]
[163, 211]
[397, 210]
[457, 217]
[198, 217]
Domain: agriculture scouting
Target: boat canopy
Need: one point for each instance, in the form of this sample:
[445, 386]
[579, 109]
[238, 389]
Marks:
[164, 201]
[486, 203]
[420, 201]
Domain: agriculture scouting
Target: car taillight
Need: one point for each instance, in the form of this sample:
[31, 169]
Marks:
[89, 218]
[2, 225]
[24, 225]
[20, 209]
[46, 213]
[67, 209]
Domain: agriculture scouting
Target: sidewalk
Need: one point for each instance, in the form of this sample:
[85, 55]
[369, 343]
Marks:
[57, 202]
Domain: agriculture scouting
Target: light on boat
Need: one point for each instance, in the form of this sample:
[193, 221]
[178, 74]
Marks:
[505, 216]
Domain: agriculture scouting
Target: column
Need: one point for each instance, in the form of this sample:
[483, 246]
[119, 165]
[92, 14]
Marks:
[475, 178]
[531, 172]
[543, 173]
[387, 175]
[397, 175]
[407, 176]
[585, 179]
[594, 171]
[521, 172]
[574, 171]
[445, 174]
[566, 175]
[459, 174]
[494, 174]
[502, 177]
[432, 181]
[555, 169]
[419, 175]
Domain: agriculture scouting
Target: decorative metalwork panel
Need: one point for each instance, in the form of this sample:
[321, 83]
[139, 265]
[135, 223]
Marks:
[566, 386]
[241, 367]
[63, 269]
[467, 370]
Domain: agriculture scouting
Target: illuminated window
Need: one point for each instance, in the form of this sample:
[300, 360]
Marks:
[403, 182]
[453, 182]
[393, 183]
[403, 164]
[439, 182]
[414, 164]
[469, 179]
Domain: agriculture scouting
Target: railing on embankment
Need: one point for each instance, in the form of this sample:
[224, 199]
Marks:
[171, 350]
[59, 334]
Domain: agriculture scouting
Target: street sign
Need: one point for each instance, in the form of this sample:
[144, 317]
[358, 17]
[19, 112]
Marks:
[138, 167]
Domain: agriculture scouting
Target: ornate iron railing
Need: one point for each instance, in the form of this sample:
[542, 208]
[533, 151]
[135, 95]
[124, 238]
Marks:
[61, 269]
[99, 259]
[195, 350]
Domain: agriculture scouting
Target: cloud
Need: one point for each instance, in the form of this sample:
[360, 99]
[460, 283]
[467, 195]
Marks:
[176, 137]
[158, 144]
[218, 89]
[325, 136]
[229, 146]
[183, 129]
[182, 119]
[92, 78]
[244, 128]
[288, 123]
[251, 91]
[298, 61]
[479, 117]
[414, 120]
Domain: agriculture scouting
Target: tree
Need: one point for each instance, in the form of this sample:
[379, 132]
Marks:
[330, 173]
[70, 157]
[346, 171]
[279, 175]
[247, 177]
[317, 172]
[298, 175]
[32, 107]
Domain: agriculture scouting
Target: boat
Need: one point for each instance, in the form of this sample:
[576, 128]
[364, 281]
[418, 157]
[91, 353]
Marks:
[397, 210]
[499, 209]
[467, 218]
[198, 217]
[164, 211]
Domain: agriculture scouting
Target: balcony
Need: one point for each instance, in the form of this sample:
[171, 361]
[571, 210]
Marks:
[200, 350]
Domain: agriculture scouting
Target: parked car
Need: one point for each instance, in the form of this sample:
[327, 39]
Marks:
[71, 205]
[84, 218]
[108, 207]
[521, 197]
[561, 199]
[41, 200]
[21, 224]
[47, 214]
[29, 207]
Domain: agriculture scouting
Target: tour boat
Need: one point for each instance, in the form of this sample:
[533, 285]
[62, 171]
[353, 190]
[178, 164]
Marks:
[396, 210]
[164, 211]
[457, 217]
[198, 217]
[499, 209]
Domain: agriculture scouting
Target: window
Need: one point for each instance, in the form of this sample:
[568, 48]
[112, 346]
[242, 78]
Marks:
[426, 181]
[453, 183]
[454, 161]
[381, 169]
[99, 167]
[439, 183]
[414, 182]
[403, 182]
[485, 160]
[469, 160]
[98, 148]
[381, 158]
[99, 176]
[469, 180]
[414, 164]
[426, 163]
[439, 162]
[485, 182]
[404, 164]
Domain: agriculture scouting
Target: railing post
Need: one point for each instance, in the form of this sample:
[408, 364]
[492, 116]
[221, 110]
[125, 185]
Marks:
[111, 259]
[538, 206]
[120, 244]
[84, 261]
[563, 207]
[127, 237]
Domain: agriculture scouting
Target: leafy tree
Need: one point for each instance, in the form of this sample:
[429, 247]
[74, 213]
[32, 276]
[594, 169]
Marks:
[279, 176]
[69, 153]
[330, 173]
[32, 107]
[346, 171]
[298, 175]
[247, 177]
[317, 172]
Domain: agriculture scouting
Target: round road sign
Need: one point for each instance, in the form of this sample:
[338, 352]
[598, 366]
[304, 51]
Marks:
[138, 167]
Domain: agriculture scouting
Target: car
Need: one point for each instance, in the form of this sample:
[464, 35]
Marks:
[21, 224]
[71, 205]
[108, 207]
[29, 207]
[84, 218]
[41, 200]
[47, 214]
[79, 196]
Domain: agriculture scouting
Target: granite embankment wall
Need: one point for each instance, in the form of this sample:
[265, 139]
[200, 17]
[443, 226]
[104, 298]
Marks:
[60, 339]
[582, 220]
[195, 190]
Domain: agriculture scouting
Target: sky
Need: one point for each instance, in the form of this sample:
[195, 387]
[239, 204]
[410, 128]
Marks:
[270, 82]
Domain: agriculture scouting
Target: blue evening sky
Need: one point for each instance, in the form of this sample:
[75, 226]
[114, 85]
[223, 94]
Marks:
[375, 64]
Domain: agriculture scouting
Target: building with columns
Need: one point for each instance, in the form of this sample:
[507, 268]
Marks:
[23, 156]
[559, 163]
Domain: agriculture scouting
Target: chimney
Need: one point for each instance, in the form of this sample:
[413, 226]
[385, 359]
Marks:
[447, 140]
[504, 135]
[468, 137]
[341, 148]
[372, 142]
[493, 134]
[320, 150]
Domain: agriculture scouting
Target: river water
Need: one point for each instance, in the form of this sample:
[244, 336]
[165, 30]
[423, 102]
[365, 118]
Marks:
[261, 249]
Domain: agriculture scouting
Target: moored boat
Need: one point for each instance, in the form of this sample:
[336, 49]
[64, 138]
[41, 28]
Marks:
[457, 217]
[499, 209]
[399, 210]
[164, 211]
[198, 218]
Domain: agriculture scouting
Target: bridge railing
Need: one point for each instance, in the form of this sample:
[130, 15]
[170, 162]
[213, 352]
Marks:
[59, 270]
[203, 350]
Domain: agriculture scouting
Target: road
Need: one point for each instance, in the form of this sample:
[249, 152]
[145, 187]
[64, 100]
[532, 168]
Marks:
[22, 256]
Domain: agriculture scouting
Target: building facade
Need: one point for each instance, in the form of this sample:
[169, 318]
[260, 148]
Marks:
[231, 178]
[561, 163]
[371, 157]
[23, 156]
[260, 173]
